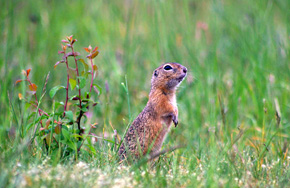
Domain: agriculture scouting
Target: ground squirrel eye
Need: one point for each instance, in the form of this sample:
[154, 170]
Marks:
[167, 67]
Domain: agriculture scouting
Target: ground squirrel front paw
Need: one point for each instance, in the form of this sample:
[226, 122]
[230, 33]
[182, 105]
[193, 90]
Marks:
[175, 120]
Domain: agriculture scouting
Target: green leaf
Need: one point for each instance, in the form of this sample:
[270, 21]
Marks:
[77, 136]
[108, 140]
[87, 95]
[29, 126]
[99, 88]
[69, 115]
[85, 109]
[72, 145]
[85, 119]
[54, 90]
[79, 143]
[31, 115]
[27, 105]
[92, 149]
[82, 82]
[72, 83]
[74, 98]
[65, 134]
[58, 104]
[86, 66]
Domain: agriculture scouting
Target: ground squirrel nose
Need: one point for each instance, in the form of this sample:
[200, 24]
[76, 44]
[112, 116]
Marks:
[184, 69]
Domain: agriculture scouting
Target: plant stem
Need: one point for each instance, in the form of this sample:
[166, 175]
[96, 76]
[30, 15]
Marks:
[80, 100]
[40, 110]
[92, 75]
[84, 139]
[79, 122]
[77, 70]
[67, 85]
[36, 100]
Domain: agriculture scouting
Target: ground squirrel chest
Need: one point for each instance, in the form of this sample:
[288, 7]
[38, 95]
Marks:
[148, 130]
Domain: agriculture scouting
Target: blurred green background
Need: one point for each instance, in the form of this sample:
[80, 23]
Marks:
[238, 50]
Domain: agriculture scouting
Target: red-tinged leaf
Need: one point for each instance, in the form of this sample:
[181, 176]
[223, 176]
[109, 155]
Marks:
[57, 122]
[33, 87]
[28, 71]
[24, 72]
[73, 54]
[48, 139]
[64, 47]
[20, 96]
[68, 45]
[58, 63]
[96, 48]
[87, 50]
[75, 98]
[69, 38]
[57, 129]
[18, 81]
[94, 125]
[77, 54]
[60, 52]
[41, 128]
[67, 54]
[64, 41]
[95, 67]
[74, 40]
[47, 123]
[95, 54]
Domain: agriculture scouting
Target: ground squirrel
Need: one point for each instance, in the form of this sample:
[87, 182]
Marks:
[148, 130]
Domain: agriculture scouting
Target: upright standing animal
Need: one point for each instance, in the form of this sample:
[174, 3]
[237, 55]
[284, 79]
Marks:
[148, 130]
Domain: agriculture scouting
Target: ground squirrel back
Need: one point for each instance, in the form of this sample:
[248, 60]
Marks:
[148, 130]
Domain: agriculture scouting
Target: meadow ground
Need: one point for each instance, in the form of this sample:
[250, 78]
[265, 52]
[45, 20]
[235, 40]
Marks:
[234, 106]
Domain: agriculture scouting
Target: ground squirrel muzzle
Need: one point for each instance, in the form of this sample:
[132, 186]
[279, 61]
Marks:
[148, 130]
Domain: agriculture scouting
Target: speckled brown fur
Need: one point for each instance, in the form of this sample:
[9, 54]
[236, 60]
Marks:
[148, 130]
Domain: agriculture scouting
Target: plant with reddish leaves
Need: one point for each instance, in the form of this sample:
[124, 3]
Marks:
[59, 132]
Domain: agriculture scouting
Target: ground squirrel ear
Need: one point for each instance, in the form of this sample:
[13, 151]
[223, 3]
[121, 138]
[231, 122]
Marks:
[155, 73]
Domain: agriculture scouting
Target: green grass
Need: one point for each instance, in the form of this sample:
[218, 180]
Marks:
[241, 56]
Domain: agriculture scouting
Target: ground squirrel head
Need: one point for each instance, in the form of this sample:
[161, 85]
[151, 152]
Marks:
[168, 76]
